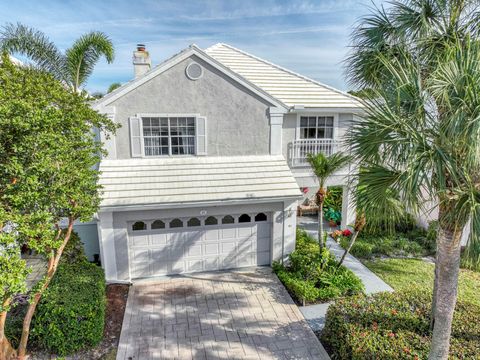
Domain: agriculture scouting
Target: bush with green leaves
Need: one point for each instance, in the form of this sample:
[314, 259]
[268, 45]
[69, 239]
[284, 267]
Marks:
[311, 278]
[412, 242]
[395, 326]
[71, 314]
[333, 199]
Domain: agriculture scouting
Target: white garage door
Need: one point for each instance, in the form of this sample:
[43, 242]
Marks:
[161, 247]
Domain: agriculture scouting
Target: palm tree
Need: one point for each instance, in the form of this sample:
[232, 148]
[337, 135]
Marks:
[420, 134]
[73, 67]
[323, 167]
[381, 207]
[113, 86]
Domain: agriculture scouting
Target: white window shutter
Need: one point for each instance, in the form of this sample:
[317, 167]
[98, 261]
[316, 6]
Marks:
[201, 138]
[136, 136]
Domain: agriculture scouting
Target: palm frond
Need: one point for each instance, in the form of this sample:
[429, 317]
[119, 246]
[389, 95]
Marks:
[84, 55]
[324, 166]
[18, 38]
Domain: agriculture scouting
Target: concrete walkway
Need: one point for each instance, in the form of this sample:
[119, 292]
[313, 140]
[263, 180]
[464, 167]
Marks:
[244, 314]
[315, 314]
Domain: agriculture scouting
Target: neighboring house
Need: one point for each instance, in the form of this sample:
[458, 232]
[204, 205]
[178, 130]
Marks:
[206, 169]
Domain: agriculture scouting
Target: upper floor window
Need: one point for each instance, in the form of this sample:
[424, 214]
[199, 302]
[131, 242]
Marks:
[168, 135]
[316, 127]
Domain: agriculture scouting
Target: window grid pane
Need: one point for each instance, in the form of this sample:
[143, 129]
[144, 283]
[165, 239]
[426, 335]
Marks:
[316, 127]
[169, 136]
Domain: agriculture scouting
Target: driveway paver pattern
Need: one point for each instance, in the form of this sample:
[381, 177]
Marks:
[244, 314]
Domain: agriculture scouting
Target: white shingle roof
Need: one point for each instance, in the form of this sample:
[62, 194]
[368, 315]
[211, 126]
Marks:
[195, 179]
[282, 84]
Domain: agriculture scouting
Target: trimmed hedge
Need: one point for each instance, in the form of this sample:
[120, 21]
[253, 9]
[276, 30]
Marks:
[71, 314]
[311, 278]
[395, 326]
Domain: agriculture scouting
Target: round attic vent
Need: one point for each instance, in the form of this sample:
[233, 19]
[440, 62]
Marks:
[194, 71]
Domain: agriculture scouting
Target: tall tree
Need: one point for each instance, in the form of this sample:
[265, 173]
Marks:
[47, 174]
[72, 67]
[323, 167]
[421, 131]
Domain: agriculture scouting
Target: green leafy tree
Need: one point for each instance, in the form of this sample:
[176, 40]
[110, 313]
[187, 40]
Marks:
[73, 67]
[48, 154]
[421, 132]
[323, 167]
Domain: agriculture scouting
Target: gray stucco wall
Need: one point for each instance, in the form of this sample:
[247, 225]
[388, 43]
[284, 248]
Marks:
[237, 120]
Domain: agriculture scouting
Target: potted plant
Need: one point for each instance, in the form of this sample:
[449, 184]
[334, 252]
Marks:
[333, 217]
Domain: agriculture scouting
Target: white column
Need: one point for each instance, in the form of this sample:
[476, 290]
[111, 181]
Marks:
[276, 125]
[348, 207]
[106, 239]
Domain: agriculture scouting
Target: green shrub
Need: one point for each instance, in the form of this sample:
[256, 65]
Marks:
[334, 198]
[414, 242]
[74, 251]
[71, 314]
[395, 326]
[310, 277]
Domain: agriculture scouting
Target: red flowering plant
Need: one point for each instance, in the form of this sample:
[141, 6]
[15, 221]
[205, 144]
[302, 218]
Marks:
[347, 233]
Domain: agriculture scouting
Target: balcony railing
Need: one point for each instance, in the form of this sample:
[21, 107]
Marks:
[299, 149]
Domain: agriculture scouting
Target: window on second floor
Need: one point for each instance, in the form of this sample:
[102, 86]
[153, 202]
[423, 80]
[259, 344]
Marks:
[168, 135]
[316, 127]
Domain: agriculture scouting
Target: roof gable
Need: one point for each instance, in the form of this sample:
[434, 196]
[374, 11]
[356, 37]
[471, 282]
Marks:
[177, 58]
[286, 86]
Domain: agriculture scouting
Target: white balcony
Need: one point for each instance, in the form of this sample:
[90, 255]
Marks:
[298, 149]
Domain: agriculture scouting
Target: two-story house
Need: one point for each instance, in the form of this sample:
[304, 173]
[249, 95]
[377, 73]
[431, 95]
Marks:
[206, 170]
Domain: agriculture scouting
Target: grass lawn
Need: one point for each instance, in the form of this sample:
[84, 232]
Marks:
[402, 274]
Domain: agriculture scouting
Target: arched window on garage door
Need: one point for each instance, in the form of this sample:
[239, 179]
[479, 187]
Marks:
[139, 225]
[260, 217]
[244, 218]
[211, 220]
[193, 222]
[158, 224]
[228, 219]
[176, 223]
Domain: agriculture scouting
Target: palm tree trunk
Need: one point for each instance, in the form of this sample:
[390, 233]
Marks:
[320, 227]
[359, 225]
[447, 268]
[51, 269]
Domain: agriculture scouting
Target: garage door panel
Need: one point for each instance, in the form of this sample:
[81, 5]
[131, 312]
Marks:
[195, 250]
[214, 247]
[158, 239]
[211, 249]
[140, 240]
[213, 234]
[229, 233]
[228, 247]
[245, 231]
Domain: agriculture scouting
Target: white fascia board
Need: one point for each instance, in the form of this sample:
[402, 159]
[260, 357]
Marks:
[181, 205]
[355, 110]
[186, 53]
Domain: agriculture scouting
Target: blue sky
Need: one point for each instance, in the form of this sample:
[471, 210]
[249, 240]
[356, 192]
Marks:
[309, 37]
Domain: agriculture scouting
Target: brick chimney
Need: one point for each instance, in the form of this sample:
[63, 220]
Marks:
[141, 61]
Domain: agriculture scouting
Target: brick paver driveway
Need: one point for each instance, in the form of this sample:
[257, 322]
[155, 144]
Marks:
[223, 315]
